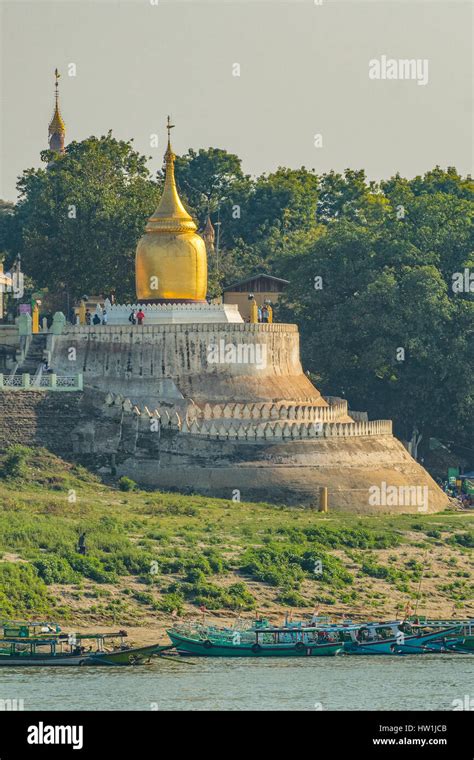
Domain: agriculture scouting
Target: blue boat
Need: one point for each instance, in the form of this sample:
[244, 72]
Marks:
[400, 643]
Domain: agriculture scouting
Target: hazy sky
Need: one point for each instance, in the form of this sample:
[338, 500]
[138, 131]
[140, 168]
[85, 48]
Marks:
[304, 71]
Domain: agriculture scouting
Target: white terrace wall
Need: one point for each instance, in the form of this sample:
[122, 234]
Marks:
[238, 362]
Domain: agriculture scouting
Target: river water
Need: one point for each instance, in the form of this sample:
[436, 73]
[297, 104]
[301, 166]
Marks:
[426, 682]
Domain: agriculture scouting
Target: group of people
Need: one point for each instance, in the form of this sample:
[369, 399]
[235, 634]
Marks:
[136, 317]
[465, 499]
[97, 319]
[263, 314]
[84, 316]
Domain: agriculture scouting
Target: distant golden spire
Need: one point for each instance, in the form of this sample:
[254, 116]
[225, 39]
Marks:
[170, 216]
[57, 124]
[57, 127]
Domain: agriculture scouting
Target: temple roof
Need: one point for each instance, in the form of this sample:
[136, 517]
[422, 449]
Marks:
[257, 276]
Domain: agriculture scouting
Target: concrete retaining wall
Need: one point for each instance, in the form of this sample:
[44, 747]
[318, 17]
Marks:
[209, 362]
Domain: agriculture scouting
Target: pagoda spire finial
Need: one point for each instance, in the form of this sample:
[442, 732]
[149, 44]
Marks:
[57, 127]
[169, 127]
[169, 155]
[170, 214]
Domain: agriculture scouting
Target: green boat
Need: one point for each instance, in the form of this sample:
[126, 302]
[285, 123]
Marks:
[203, 641]
[74, 649]
[464, 641]
[397, 640]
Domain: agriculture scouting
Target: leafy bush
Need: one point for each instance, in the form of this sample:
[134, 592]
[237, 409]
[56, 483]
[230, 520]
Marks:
[91, 567]
[234, 597]
[293, 599]
[339, 538]
[273, 564]
[399, 578]
[170, 603]
[131, 561]
[195, 575]
[54, 569]
[286, 566]
[332, 569]
[126, 484]
[14, 461]
[22, 592]
[143, 597]
[463, 539]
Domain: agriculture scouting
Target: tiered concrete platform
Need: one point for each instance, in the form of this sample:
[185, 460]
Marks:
[225, 408]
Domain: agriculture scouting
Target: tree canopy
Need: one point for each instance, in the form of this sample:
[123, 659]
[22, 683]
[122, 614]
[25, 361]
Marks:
[77, 222]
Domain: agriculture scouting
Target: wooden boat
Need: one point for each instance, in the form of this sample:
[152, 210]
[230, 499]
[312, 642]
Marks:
[409, 636]
[370, 641]
[254, 642]
[62, 649]
[462, 642]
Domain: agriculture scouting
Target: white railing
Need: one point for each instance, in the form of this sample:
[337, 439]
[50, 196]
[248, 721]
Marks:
[49, 382]
[66, 382]
[12, 381]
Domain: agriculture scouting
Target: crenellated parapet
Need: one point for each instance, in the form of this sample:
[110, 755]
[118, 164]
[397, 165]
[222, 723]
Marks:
[250, 422]
[309, 412]
[248, 430]
[105, 333]
[158, 419]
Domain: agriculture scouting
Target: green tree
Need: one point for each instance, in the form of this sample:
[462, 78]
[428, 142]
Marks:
[77, 222]
[206, 177]
[382, 328]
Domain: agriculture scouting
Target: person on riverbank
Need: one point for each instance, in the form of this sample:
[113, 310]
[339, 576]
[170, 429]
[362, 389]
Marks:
[81, 544]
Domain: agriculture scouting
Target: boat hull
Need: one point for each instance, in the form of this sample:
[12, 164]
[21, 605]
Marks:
[422, 644]
[200, 648]
[133, 656]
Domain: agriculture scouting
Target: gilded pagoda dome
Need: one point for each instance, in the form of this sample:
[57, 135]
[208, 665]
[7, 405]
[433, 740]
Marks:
[171, 259]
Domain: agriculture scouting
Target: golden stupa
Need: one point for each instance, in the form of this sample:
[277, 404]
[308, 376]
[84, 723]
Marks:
[171, 260]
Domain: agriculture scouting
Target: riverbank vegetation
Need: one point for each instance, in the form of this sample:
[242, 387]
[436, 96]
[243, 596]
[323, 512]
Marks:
[153, 555]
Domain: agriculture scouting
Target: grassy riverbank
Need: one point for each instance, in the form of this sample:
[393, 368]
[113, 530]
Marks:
[153, 555]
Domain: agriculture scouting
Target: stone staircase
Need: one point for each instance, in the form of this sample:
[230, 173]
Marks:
[34, 355]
